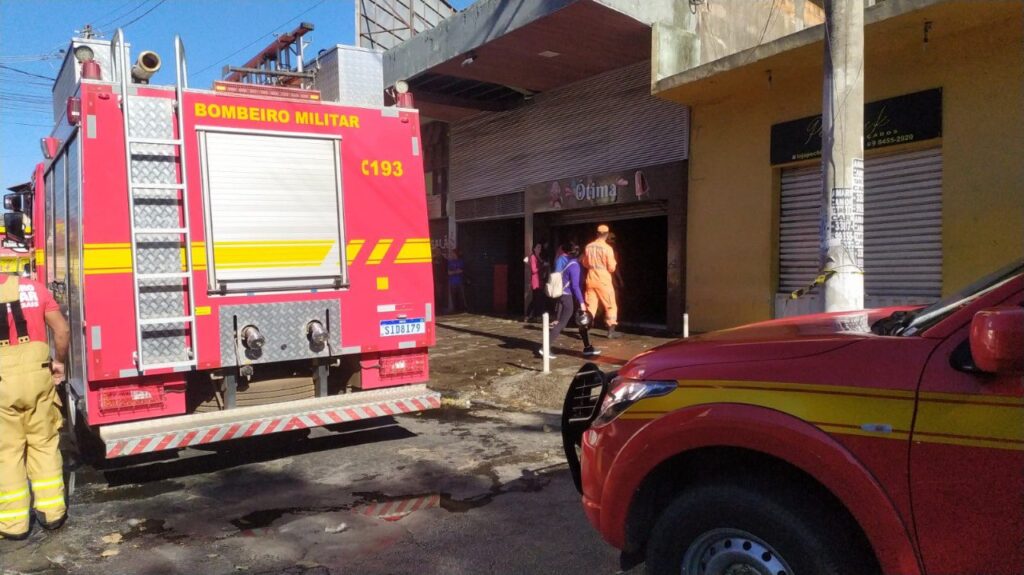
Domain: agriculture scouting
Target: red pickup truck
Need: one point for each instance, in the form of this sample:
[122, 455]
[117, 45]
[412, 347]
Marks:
[882, 441]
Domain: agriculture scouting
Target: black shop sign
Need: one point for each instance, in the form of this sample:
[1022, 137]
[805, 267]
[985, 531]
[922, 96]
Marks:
[900, 120]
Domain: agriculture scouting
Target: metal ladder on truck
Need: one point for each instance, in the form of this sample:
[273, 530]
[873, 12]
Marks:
[187, 320]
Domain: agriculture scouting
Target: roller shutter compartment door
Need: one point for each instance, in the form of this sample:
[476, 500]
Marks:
[273, 209]
[902, 228]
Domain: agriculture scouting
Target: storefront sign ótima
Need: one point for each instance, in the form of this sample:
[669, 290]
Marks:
[628, 186]
[900, 120]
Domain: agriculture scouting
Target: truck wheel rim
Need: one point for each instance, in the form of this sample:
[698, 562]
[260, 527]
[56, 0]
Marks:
[732, 552]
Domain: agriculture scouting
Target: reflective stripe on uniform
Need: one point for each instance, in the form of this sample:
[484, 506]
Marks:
[13, 495]
[51, 502]
[16, 514]
[51, 482]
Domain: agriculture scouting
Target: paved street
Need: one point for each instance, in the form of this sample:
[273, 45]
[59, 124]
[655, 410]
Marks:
[446, 492]
[478, 488]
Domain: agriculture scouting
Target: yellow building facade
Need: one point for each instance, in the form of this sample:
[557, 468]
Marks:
[972, 51]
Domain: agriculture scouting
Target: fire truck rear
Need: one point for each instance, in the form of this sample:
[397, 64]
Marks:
[234, 262]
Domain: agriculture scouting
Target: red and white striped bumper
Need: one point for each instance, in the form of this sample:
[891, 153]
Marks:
[183, 431]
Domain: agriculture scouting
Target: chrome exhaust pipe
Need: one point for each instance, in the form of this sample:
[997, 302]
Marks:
[145, 66]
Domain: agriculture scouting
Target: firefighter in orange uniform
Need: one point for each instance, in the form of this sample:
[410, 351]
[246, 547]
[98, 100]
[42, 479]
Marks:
[599, 259]
[31, 470]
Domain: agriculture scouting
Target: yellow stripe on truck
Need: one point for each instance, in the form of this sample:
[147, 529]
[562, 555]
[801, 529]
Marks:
[283, 254]
[414, 251]
[116, 258]
[380, 250]
[352, 250]
[956, 419]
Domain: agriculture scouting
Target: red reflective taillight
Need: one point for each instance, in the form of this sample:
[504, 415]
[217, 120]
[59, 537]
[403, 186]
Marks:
[402, 365]
[120, 399]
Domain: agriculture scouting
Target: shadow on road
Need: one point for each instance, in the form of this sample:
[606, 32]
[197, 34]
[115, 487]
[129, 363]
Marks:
[512, 342]
[247, 451]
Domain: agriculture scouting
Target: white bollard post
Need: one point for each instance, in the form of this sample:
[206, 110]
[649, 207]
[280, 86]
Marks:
[686, 325]
[546, 347]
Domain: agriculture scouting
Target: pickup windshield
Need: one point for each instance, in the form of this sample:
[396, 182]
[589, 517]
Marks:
[914, 322]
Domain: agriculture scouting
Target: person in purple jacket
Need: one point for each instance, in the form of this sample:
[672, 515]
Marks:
[572, 297]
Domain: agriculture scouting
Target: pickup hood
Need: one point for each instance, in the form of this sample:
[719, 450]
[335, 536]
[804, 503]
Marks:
[788, 338]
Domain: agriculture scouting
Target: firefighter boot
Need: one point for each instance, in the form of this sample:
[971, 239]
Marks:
[612, 333]
[29, 423]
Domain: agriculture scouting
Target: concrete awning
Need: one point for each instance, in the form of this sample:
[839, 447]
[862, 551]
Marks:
[497, 53]
[889, 27]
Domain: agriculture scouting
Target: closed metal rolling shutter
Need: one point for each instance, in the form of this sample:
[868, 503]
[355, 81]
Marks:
[799, 221]
[902, 227]
[490, 207]
[598, 125]
[273, 210]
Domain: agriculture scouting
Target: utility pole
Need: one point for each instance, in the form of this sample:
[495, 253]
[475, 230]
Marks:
[842, 156]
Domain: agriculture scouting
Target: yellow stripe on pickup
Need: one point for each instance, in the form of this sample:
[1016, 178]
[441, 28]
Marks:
[956, 419]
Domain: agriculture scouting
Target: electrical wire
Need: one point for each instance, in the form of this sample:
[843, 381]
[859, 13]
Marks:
[109, 12]
[279, 26]
[767, 23]
[5, 121]
[13, 69]
[111, 23]
[771, 14]
[27, 58]
[143, 15]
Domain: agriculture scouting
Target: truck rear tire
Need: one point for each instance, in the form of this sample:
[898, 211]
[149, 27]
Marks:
[714, 529]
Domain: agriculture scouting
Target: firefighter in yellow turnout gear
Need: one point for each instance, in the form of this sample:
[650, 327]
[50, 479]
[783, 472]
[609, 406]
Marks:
[31, 470]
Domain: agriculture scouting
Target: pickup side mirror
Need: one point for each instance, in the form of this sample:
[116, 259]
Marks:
[997, 340]
[14, 227]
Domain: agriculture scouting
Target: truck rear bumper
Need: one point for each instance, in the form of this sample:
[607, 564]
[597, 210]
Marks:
[177, 432]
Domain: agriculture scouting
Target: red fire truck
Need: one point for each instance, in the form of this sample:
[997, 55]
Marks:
[234, 262]
[814, 445]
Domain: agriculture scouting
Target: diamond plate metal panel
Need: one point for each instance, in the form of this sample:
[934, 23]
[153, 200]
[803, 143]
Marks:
[158, 164]
[284, 327]
[164, 343]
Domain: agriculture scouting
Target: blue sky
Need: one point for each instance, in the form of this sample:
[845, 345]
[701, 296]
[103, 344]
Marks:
[215, 33]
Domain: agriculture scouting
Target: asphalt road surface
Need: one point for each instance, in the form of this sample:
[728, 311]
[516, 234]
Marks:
[448, 491]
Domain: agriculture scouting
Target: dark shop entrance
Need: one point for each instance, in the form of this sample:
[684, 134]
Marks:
[641, 248]
[493, 254]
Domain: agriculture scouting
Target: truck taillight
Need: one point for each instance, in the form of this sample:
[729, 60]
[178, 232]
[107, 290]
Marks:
[402, 365]
[118, 399]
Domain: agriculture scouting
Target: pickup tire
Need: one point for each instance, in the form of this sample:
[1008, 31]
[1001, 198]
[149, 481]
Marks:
[711, 528]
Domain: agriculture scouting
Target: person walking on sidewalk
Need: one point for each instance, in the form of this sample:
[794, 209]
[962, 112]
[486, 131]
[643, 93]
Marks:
[538, 269]
[31, 468]
[457, 282]
[572, 299]
[599, 259]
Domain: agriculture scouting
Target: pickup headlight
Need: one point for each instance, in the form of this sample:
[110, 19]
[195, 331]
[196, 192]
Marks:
[624, 392]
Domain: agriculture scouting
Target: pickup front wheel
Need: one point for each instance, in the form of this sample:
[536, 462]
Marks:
[730, 529]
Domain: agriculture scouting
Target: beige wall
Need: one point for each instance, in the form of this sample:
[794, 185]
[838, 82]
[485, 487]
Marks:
[732, 235]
